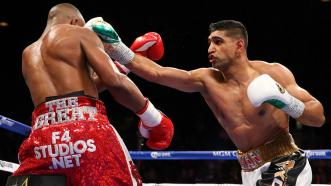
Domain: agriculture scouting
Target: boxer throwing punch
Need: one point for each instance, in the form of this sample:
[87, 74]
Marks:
[251, 99]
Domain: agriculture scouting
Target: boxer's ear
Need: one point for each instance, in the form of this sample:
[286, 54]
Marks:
[74, 22]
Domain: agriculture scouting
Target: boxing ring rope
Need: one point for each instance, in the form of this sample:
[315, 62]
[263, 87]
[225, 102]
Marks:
[14, 126]
[20, 128]
[185, 155]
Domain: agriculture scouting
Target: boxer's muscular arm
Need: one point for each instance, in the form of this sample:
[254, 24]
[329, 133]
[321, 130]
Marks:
[116, 49]
[98, 83]
[120, 87]
[313, 114]
[186, 81]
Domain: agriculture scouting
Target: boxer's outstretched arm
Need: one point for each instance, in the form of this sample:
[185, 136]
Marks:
[187, 81]
[119, 85]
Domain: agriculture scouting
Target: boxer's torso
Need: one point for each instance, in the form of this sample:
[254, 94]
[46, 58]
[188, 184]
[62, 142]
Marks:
[247, 126]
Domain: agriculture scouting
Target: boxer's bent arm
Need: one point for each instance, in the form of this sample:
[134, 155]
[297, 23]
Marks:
[186, 81]
[98, 83]
[313, 114]
[119, 85]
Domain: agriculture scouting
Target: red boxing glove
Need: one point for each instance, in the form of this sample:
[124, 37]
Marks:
[149, 45]
[160, 136]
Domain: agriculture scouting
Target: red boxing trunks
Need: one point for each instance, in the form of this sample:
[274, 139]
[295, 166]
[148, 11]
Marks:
[72, 136]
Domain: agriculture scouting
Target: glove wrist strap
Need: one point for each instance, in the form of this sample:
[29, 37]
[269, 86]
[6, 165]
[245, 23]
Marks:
[294, 108]
[121, 53]
[149, 115]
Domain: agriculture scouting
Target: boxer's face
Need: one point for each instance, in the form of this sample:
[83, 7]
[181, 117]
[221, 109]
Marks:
[221, 50]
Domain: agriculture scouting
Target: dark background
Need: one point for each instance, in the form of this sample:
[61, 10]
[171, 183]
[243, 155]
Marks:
[294, 33]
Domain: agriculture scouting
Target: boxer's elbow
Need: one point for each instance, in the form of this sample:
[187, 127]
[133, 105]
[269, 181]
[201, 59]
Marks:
[320, 121]
[315, 114]
[314, 121]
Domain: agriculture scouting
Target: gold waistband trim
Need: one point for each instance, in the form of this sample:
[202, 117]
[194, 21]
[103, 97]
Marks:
[282, 146]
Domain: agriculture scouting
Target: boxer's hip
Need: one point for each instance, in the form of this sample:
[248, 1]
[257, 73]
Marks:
[283, 145]
[67, 109]
[72, 136]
